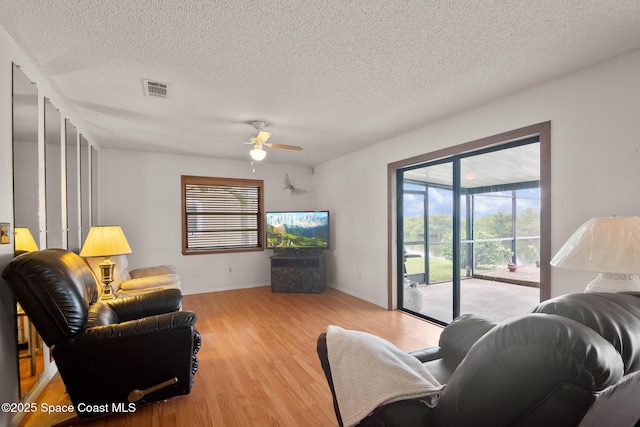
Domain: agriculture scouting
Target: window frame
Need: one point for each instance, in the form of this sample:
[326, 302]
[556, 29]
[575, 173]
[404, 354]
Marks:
[222, 182]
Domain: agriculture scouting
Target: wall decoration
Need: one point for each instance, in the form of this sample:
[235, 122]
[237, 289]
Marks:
[289, 185]
[4, 233]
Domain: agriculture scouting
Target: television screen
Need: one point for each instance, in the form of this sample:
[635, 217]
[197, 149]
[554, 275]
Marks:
[298, 230]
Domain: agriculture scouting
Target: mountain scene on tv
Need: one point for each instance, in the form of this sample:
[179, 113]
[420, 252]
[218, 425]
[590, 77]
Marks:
[298, 230]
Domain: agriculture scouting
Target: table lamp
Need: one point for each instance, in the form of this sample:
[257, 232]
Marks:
[609, 246]
[105, 240]
[24, 241]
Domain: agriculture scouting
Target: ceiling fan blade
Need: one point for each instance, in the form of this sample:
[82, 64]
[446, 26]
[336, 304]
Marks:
[286, 147]
[262, 136]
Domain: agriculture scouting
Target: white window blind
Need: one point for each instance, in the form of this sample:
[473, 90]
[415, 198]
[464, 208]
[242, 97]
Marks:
[222, 214]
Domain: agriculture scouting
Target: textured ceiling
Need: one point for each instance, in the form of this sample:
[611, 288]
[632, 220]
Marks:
[332, 76]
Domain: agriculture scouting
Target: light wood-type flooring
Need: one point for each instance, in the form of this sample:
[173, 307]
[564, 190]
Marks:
[258, 362]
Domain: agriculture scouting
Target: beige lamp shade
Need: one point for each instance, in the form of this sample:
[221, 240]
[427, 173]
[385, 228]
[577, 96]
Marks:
[609, 246]
[105, 240]
[603, 245]
[24, 241]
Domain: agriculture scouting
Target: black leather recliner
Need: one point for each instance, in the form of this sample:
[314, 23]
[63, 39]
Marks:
[573, 361]
[112, 353]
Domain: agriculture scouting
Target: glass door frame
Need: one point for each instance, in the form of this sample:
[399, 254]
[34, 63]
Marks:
[458, 238]
[455, 242]
[542, 131]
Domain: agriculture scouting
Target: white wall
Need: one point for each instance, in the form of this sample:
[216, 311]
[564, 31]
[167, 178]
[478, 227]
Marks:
[141, 192]
[595, 140]
[595, 165]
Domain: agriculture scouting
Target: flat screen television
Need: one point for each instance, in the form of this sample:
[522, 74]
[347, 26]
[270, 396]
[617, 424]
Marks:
[298, 230]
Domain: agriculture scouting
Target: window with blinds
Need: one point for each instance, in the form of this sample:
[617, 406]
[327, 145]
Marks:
[221, 215]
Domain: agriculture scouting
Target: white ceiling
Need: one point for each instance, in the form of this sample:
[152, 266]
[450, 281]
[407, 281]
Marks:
[331, 75]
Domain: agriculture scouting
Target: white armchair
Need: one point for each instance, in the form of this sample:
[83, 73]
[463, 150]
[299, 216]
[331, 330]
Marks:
[141, 280]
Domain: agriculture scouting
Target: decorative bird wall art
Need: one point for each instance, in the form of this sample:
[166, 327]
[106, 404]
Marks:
[290, 185]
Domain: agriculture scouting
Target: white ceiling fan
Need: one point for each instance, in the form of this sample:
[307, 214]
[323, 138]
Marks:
[260, 140]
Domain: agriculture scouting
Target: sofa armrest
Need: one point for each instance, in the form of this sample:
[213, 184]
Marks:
[152, 271]
[147, 304]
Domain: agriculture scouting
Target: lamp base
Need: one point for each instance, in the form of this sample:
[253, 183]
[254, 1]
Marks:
[107, 291]
[614, 282]
[106, 269]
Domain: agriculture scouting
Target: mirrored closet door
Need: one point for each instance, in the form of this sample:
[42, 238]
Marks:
[85, 188]
[26, 213]
[73, 188]
[53, 174]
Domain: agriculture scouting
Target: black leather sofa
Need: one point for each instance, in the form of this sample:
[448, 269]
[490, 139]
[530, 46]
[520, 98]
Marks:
[573, 361]
[110, 354]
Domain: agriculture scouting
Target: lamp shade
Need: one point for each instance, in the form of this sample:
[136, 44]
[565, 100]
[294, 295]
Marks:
[603, 245]
[105, 240]
[24, 241]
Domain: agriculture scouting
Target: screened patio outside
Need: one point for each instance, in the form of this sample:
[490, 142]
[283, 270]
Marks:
[491, 201]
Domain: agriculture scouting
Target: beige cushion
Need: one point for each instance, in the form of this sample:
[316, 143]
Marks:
[152, 271]
[165, 281]
[122, 293]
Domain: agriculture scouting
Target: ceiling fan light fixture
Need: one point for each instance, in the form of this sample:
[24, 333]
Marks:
[257, 153]
[260, 141]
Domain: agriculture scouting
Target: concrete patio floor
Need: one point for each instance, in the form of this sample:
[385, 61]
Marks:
[490, 297]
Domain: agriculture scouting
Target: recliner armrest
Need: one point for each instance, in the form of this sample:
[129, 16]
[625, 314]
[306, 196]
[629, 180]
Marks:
[321, 348]
[146, 326]
[461, 334]
[456, 339]
[427, 354]
[103, 364]
[412, 412]
[147, 304]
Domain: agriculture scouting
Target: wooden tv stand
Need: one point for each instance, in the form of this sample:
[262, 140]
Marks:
[301, 271]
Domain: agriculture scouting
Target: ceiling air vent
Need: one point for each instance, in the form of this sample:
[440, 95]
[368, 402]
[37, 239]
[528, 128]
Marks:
[153, 88]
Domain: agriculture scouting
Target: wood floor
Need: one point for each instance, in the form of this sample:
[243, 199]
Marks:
[258, 362]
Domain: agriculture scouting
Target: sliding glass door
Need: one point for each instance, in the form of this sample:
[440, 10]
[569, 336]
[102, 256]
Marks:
[462, 221]
[428, 247]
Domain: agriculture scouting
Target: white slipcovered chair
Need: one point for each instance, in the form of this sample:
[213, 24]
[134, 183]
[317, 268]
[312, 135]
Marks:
[141, 280]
